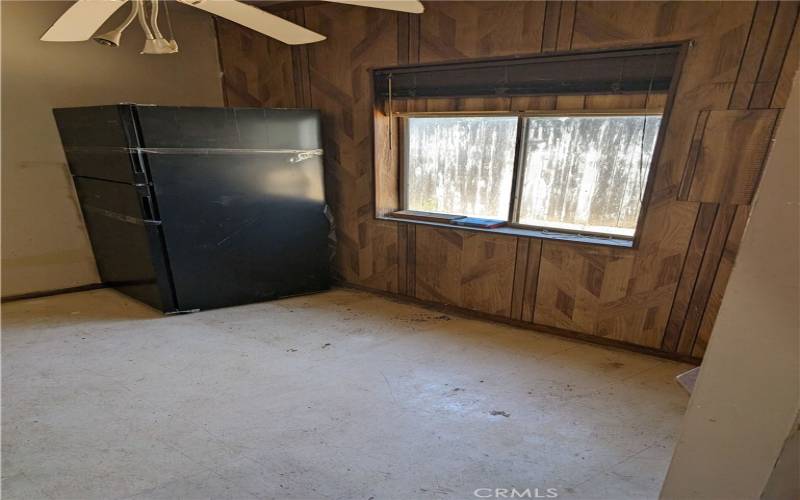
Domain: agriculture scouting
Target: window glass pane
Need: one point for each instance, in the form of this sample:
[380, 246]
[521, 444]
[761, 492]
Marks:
[587, 173]
[460, 165]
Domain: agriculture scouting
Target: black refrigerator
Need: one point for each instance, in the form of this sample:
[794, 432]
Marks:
[192, 208]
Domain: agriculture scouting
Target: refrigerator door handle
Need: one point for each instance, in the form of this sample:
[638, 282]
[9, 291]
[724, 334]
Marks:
[147, 209]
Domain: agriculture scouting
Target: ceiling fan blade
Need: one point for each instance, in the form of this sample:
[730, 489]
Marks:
[257, 20]
[81, 20]
[410, 6]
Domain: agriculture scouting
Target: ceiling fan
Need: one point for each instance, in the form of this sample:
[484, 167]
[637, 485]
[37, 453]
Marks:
[84, 18]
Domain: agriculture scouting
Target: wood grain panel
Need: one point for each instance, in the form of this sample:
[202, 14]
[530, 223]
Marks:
[640, 315]
[457, 30]
[657, 100]
[705, 279]
[520, 272]
[790, 64]
[694, 153]
[569, 102]
[726, 159]
[302, 83]
[533, 103]
[411, 271]
[751, 62]
[721, 280]
[552, 21]
[438, 265]
[467, 269]
[402, 258]
[566, 25]
[246, 80]
[775, 55]
[403, 37]
[378, 254]
[387, 167]
[440, 105]
[653, 102]
[413, 39]
[566, 302]
[617, 101]
[531, 280]
[340, 88]
[526, 275]
[691, 267]
[666, 232]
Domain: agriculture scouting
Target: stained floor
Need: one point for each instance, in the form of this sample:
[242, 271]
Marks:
[341, 395]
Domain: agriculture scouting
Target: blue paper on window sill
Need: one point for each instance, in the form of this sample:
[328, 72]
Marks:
[476, 222]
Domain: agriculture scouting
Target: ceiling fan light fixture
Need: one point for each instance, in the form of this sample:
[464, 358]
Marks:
[112, 38]
[159, 46]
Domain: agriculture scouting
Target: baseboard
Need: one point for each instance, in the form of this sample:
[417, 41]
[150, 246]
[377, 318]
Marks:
[468, 313]
[460, 311]
[59, 291]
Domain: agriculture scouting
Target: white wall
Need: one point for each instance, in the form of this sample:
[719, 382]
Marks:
[44, 243]
[784, 482]
[746, 400]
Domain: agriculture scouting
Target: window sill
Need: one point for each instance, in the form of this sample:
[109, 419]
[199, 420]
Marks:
[522, 232]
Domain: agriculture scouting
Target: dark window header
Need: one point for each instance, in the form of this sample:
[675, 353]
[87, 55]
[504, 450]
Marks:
[578, 72]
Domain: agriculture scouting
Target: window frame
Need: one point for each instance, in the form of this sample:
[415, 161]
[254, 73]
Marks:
[518, 175]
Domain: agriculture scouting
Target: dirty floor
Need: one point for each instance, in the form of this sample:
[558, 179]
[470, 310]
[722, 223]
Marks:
[341, 395]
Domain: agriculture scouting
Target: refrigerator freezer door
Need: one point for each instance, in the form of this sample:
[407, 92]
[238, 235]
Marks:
[100, 142]
[229, 128]
[241, 227]
[127, 245]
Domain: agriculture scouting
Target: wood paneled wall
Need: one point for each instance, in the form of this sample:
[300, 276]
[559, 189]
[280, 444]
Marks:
[663, 295]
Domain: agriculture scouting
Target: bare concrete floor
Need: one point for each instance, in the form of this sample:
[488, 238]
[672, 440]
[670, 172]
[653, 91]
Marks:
[339, 395]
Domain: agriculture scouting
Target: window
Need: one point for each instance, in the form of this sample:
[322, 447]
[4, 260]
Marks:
[579, 173]
[586, 173]
[461, 165]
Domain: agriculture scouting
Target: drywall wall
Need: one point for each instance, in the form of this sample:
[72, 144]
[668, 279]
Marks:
[663, 295]
[44, 243]
[784, 482]
[745, 404]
